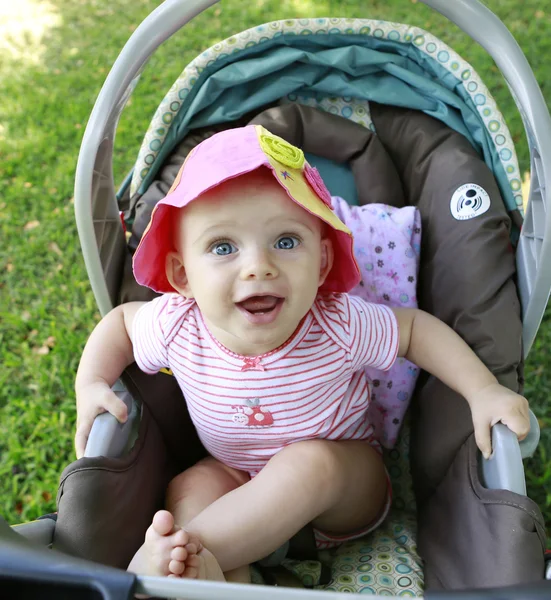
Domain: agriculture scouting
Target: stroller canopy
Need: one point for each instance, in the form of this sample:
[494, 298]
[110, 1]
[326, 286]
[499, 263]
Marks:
[338, 65]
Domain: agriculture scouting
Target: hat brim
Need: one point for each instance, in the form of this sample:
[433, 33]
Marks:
[149, 261]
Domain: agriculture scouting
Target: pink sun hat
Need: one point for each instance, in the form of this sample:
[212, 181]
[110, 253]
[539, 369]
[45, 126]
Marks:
[227, 155]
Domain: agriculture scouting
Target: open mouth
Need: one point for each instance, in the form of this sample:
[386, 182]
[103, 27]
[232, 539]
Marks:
[261, 310]
[260, 305]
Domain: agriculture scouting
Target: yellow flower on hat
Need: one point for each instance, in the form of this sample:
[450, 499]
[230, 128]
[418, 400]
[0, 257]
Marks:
[280, 150]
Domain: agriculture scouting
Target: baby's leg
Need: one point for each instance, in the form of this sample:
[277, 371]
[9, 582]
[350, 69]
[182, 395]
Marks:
[194, 490]
[169, 549]
[340, 487]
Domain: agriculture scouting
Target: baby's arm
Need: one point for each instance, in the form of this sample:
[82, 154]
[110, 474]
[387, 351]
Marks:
[432, 345]
[106, 354]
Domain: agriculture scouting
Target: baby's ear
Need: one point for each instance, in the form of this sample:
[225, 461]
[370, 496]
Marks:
[176, 274]
[327, 256]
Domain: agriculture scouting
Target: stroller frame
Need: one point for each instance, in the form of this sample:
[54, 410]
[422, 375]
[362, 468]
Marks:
[95, 193]
[94, 177]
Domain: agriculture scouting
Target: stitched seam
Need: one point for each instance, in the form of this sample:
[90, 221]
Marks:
[476, 485]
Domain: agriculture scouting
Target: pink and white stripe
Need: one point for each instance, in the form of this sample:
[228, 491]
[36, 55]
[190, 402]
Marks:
[313, 386]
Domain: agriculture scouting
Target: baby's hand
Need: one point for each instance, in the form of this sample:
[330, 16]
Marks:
[494, 404]
[92, 400]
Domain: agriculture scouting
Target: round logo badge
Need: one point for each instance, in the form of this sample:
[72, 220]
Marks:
[469, 201]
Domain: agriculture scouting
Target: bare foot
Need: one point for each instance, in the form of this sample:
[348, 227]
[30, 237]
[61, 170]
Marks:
[167, 550]
[203, 565]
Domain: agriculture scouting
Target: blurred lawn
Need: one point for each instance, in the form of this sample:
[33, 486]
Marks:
[54, 57]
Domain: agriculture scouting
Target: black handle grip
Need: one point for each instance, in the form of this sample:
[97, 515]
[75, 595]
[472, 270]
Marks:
[30, 571]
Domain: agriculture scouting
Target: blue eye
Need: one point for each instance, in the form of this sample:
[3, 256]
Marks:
[287, 242]
[223, 249]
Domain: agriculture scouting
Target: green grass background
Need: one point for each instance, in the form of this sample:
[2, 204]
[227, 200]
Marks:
[54, 57]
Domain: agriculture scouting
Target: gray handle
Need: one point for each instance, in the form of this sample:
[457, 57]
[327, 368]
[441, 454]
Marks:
[504, 469]
[534, 249]
[110, 438]
[93, 173]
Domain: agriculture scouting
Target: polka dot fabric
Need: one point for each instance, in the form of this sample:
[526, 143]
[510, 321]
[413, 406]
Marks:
[387, 243]
[385, 563]
[353, 109]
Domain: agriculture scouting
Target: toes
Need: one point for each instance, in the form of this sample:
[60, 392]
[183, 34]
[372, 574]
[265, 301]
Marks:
[193, 539]
[172, 549]
[179, 553]
[189, 541]
[181, 538]
[193, 564]
[193, 561]
[184, 538]
[163, 523]
[192, 548]
[176, 567]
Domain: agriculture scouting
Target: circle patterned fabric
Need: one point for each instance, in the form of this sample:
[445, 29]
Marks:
[385, 562]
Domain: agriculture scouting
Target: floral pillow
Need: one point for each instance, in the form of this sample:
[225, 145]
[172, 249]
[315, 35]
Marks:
[387, 244]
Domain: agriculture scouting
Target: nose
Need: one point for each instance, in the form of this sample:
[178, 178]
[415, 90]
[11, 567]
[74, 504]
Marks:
[259, 266]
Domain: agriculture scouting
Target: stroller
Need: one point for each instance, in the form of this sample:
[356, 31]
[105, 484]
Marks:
[389, 115]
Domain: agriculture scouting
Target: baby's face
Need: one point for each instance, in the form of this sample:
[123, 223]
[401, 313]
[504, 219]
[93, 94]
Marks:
[253, 260]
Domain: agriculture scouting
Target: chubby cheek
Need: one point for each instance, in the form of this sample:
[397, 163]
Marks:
[211, 287]
[304, 269]
[305, 285]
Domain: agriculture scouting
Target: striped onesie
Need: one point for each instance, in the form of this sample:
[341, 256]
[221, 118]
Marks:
[245, 408]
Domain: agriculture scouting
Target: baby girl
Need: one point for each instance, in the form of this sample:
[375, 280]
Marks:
[256, 324]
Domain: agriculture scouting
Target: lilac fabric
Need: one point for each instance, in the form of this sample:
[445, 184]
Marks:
[387, 244]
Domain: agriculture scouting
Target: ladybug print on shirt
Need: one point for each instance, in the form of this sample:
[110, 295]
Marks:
[252, 415]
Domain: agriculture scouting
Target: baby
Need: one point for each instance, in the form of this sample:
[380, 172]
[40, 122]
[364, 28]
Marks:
[269, 351]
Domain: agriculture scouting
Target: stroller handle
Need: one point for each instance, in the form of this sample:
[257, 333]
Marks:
[94, 185]
[165, 587]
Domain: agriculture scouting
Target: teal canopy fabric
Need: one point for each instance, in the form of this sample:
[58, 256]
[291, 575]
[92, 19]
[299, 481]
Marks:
[337, 65]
